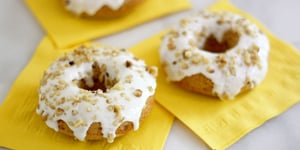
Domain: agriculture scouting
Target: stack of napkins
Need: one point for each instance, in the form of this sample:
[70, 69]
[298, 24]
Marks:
[22, 128]
[222, 123]
[64, 29]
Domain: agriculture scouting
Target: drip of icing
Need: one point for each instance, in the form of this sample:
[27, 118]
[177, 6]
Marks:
[230, 78]
[61, 99]
[90, 7]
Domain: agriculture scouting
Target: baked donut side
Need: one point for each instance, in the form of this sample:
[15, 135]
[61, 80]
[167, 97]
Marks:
[192, 83]
[95, 130]
[101, 8]
[96, 92]
[215, 53]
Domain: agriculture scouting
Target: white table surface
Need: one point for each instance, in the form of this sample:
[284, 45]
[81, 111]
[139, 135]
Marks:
[20, 34]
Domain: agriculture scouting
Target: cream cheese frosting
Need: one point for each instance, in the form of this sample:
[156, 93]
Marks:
[90, 7]
[128, 81]
[182, 54]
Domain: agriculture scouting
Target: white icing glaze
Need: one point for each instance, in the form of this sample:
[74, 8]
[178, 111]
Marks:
[58, 92]
[90, 7]
[228, 80]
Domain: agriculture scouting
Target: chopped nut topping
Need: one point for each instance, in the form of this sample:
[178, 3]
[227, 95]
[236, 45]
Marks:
[79, 123]
[251, 57]
[150, 88]
[128, 63]
[183, 22]
[43, 97]
[136, 59]
[220, 60]
[192, 43]
[115, 53]
[50, 105]
[184, 65]
[249, 82]
[171, 46]
[93, 102]
[48, 90]
[117, 109]
[74, 112]
[138, 93]
[200, 35]
[196, 59]
[249, 32]
[227, 73]
[152, 70]
[210, 70]
[174, 34]
[59, 111]
[71, 63]
[51, 95]
[76, 101]
[232, 70]
[71, 123]
[128, 79]
[108, 101]
[255, 48]
[205, 60]
[88, 109]
[61, 101]
[187, 54]
[110, 108]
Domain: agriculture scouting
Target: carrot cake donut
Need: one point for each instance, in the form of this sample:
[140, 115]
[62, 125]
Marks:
[215, 53]
[96, 92]
[101, 8]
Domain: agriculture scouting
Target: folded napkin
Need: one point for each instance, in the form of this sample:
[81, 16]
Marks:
[66, 29]
[22, 128]
[221, 123]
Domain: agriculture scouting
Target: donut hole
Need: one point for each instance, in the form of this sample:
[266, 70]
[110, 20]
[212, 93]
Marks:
[229, 40]
[97, 79]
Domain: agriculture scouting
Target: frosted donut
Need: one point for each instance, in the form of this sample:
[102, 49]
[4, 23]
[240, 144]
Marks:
[215, 53]
[101, 8]
[96, 92]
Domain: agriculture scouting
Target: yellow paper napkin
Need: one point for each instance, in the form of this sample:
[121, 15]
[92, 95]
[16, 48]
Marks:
[221, 123]
[22, 128]
[65, 29]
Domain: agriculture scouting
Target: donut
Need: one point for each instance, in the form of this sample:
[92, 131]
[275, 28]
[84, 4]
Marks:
[96, 92]
[215, 53]
[101, 8]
